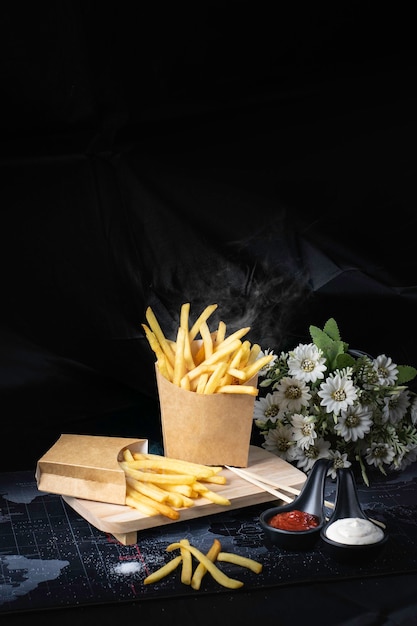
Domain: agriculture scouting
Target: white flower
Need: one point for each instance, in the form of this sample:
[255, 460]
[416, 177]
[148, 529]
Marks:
[357, 412]
[354, 423]
[387, 370]
[395, 407]
[379, 453]
[303, 430]
[266, 409]
[306, 458]
[292, 394]
[279, 442]
[306, 363]
[339, 461]
[271, 363]
[337, 393]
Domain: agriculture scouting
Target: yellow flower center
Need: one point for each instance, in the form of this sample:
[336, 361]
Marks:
[271, 411]
[308, 365]
[339, 395]
[293, 392]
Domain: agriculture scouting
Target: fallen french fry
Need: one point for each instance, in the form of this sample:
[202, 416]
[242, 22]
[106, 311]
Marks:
[243, 561]
[217, 574]
[201, 570]
[187, 564]
[206, 563]
[163, 571]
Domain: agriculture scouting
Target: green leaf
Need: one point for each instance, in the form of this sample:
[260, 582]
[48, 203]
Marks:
[345, 360]
[320, 338]
[331, 328]
[405, 374]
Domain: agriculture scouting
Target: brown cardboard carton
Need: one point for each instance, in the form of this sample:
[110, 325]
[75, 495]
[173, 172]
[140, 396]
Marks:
[212, 429]
[86, 466]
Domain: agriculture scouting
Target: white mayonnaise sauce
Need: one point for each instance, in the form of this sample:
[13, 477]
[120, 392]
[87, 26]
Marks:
[354, 531]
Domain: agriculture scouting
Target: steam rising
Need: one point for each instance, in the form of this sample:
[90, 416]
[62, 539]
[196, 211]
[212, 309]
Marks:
[256, 282]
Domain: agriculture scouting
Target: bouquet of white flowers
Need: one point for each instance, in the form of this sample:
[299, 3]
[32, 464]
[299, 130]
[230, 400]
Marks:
[329, 402]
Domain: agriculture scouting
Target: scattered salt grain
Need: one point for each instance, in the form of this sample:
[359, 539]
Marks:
[127, 568]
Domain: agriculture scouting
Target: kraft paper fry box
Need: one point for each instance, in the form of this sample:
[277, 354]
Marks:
[213, 429]
[86, 466]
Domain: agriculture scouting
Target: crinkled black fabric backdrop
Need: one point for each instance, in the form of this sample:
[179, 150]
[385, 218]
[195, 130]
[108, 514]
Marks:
[222, 153]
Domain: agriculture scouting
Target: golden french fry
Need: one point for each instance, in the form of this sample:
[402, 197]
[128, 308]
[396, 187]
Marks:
[155, 327]
[143, 507]
[257, 365]
[201, 569]
[238, 334]
[158, 478]
[216, 479]
[162, 508]
[255, 350]
[163, 571]
[246, 389]
[184, 319]
[159, 462]
[207, 340]
[185, 383]
[179, 363]
[203, 317]
[164, 364]
[217, 574]
[213, 496]
[202, 381]
[187, 564]
[243, 561]
[221, 333]
[127, 455]
[215, 378]
[147, 489]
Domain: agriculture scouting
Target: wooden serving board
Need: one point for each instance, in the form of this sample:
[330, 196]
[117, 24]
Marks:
[124, 522]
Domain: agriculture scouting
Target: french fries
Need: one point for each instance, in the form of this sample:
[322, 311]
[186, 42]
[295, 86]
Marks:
[158, 485]
[206, 563]
[217, 363]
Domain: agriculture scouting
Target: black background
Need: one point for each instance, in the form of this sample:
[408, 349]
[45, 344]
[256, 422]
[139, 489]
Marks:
[242, 153]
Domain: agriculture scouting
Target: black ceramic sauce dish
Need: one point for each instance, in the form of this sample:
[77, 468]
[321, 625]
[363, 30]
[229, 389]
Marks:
[310, 500]
[347, 505]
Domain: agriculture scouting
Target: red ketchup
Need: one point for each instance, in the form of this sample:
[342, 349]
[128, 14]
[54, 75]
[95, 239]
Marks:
[294, 520]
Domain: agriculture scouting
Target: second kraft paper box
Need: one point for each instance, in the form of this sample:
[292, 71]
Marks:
[87, 466]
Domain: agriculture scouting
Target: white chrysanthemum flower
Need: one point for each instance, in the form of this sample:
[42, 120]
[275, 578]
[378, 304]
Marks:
[262, 353]
[387, 370]
[293, 394]
[340, 460]
[266, 408]
[306, 363]
[379, 454]
[306, 458]
[337, 393]
[279, 442]
[354, 423]
[413, 411]
[304, 432]
[395, 407]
